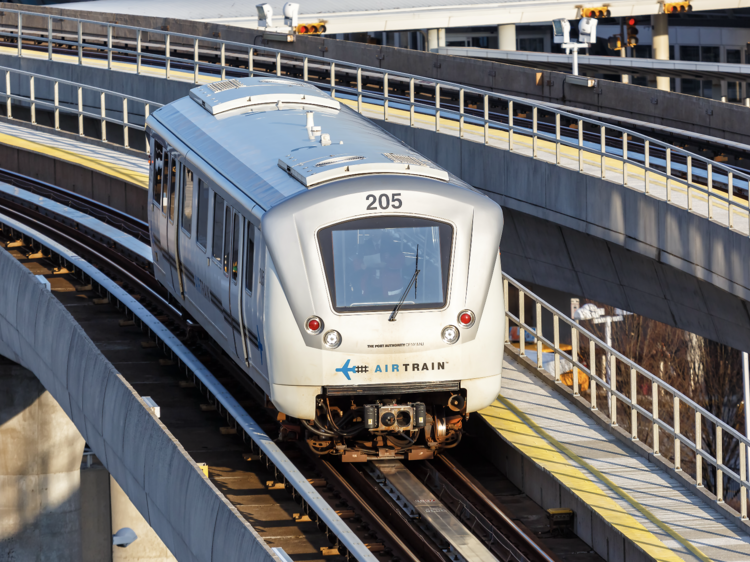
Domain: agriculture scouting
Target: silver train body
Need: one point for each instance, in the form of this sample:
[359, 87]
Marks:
[355, 281]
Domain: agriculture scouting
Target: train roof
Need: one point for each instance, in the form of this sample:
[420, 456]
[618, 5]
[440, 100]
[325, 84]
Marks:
[273, 138]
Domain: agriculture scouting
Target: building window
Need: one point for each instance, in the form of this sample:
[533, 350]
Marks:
[187, 200]
[202, 237]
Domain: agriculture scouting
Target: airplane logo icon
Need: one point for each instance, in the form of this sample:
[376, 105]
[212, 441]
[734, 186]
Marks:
[346, 370]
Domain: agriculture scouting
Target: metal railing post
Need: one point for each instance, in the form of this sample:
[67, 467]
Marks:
[522, 321]
[32, 97]
[304, 70]
[633, 404]
[8, 100]
[278, 64]
[80, 111]
[613, 385]
[556, 341]
[250, 62]
[507, 308]
[80, 42]
[743, 477]
[574, 353]
[359, 90]
[676, 425]
[167, 54]
[669, 173]
[57, 106]
[20, 34]
[510, 126]
[534, 131]
[103, 106]
[624, 159]
[385, 94]
[557, 139]
[461, 113]
[709, 186]
[689, 181]
[655, 413]
[223, 61]
[580, 145]
[195, 61]
[125, 128]
[719, 463]
[647, 164]
[109, 47]
[138, 52]
[592, 371]
[603, 149]
[539, 362]
[411, 102]
[49, 37]
[333, 79]
[486, 119]
[437, 108]
[698, 448]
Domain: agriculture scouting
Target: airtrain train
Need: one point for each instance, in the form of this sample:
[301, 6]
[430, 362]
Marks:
[355, 281]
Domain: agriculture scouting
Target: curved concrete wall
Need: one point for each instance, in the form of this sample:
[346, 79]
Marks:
[195, 521]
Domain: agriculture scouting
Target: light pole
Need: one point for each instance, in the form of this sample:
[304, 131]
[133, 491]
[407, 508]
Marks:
[597, 316]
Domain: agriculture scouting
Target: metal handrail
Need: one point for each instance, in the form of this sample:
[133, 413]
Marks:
[613, 395]
[56, 106]
[187, 49]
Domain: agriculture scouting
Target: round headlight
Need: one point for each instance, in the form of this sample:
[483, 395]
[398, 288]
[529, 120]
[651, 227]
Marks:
[466, 318]
[314, 325]
[332, 339]
[450, 334]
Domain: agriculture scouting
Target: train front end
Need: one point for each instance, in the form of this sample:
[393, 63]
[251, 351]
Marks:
[384, 314]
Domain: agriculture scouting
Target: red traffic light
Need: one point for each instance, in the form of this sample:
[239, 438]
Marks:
[631, 21]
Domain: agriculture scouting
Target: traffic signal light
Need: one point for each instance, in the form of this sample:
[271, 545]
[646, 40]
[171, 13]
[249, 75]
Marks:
[614, 43]
[599, 12]
[677, 7]
[632, 33]
[311, 28]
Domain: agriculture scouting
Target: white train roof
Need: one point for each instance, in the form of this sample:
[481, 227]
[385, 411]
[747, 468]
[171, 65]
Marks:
[273, 138]
[349, 16]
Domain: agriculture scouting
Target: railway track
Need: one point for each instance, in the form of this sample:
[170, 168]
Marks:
[419, 511]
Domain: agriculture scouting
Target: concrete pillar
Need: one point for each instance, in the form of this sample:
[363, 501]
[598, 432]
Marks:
[441, 37]
[96, 521]
[506, 37]
[432, 40]
[148, 547]
[660, 45]
[40, 471]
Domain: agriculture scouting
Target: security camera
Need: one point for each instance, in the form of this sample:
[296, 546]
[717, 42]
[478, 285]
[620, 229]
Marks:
[561, 30]
[290, 14]
[587, 30]
[265, 15]
[124, 537]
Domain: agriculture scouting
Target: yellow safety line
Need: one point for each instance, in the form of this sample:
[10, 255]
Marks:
[544, 449]
[107, 168]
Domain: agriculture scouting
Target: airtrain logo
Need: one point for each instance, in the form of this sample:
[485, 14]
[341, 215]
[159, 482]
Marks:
[347, 370]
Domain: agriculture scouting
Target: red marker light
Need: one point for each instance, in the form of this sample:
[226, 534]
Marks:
[314, 325]
[466, 318]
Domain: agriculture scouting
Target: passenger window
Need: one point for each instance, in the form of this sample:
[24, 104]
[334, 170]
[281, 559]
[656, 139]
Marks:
[165, 183]
[227, 234]
[172, 182]
[250, 253]
[202, 237]
[187, 200]
[158, 163]
[235, 247]
[218, 225]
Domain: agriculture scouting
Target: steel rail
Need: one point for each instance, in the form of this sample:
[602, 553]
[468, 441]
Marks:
[613, 395]
[279, 57]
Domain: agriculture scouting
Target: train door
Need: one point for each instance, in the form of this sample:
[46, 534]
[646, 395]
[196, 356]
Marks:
[217, 272]
[235, 287]
[169, 198]
[258, 296]
[160, 182]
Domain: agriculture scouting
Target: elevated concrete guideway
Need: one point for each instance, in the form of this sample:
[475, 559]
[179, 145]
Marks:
[388, 15]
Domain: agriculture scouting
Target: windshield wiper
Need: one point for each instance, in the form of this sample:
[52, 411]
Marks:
[408, 288]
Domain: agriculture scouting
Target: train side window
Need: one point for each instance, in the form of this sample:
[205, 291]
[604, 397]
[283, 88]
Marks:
[250, 253]
[202, 237]
[187, 200]
[235, 248]
[218, 225]
[158, 171]
[227, 234]
[172, 181]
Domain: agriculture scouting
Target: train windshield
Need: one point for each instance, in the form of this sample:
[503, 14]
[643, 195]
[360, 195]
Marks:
[372, 263]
